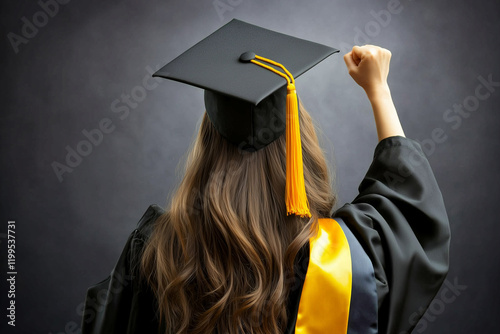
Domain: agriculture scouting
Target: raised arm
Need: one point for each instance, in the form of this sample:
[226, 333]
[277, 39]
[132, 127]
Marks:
[369, 66]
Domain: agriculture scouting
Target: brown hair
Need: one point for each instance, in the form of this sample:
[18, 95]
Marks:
[221, 258]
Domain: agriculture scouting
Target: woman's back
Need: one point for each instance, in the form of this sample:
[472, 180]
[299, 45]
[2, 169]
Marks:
[225, 250]
[227, 258]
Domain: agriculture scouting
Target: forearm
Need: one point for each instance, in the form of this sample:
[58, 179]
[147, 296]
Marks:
[384, 111]
[368, 65]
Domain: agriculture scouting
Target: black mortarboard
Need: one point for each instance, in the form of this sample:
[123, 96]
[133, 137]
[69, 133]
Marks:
[247, 103]
[239, 97]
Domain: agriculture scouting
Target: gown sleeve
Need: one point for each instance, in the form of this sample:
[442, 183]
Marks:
[400, 219]
[122, 303]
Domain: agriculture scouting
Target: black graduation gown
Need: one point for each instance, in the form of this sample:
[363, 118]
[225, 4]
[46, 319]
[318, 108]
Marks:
[398, 222]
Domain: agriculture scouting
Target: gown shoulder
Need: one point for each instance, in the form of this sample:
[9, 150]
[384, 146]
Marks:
[400, 219]
[122, 303]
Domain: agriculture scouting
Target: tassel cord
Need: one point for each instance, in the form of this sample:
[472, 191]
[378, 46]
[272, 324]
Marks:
[296, 198]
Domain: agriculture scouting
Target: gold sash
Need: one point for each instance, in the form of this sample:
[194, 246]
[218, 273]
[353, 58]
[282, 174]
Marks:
[326, 294]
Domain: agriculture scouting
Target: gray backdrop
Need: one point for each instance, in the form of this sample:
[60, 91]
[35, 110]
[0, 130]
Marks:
[71, 67]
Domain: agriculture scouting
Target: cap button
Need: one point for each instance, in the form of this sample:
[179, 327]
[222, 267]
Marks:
[247, 56]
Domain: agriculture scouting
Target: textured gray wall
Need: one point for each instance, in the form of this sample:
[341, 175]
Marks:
[76, 70]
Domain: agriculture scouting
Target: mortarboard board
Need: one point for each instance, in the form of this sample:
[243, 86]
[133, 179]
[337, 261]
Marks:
[249, 104]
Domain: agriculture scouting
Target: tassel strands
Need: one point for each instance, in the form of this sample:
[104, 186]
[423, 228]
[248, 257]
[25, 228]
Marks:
[295, 196]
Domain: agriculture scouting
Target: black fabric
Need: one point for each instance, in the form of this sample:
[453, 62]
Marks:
[121, 303]
[363, 312]
[252, 127]
[213, 63]
[398, 217]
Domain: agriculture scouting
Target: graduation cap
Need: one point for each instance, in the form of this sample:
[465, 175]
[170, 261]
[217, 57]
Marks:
[248, 74]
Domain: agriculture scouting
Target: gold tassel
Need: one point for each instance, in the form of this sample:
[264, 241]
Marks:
[295, 196]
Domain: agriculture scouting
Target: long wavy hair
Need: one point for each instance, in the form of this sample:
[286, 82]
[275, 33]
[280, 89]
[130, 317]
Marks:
[221, 259]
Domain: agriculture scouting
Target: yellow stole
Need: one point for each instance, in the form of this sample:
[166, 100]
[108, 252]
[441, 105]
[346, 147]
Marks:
[326, 293]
